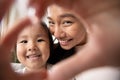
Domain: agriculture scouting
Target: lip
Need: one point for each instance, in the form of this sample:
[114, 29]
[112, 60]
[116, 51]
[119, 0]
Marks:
[34, 56]
[64, 42]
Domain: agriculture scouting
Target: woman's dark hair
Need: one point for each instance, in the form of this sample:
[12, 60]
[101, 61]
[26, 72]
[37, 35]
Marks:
[60, 54]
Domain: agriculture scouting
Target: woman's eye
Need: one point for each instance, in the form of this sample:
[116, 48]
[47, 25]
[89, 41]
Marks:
[51, 23]
[67, 23]
[23, 41]
[40, 40]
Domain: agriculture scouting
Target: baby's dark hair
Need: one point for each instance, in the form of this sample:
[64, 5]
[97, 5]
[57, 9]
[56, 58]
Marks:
[50, 39]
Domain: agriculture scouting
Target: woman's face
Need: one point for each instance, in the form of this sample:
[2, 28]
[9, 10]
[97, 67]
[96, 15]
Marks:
[65, 26]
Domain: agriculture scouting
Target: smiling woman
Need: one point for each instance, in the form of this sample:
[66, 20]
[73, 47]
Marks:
[66, 27]
[102, 47]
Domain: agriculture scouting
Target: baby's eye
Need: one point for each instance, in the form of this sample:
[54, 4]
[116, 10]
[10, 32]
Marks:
[23, 41]
[40, 40]
[67, 23]
[51, 23]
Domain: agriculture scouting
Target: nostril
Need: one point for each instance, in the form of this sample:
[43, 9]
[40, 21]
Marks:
[29, 49]
[32, 49]
[32, 46]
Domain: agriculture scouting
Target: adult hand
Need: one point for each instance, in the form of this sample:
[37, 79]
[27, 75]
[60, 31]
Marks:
[6, 44]
[89, 16]
[4, 6]
[83, 8]
[90, 56]
[98, 50]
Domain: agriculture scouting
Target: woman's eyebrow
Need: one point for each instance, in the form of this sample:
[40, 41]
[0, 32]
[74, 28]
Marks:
[68, 15]
[49, 18]
[64, 15]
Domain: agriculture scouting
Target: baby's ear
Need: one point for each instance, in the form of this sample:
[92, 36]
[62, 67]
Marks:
[14, 56]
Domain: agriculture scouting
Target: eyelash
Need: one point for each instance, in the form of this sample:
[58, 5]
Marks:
[40, 40]
[51, 23]
[25, 41]
[67, 23]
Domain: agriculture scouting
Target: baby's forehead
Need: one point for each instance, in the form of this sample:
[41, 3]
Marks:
[34, 28]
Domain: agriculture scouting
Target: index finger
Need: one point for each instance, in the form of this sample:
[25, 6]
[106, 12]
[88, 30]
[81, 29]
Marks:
[9, 39]
[40, 6]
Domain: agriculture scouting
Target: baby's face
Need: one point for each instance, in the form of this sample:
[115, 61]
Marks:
[33, 47]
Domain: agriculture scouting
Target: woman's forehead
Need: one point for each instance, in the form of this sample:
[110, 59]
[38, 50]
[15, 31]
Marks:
[87, 7]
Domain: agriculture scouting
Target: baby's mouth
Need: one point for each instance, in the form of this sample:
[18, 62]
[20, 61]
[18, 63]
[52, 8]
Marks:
[34, 56]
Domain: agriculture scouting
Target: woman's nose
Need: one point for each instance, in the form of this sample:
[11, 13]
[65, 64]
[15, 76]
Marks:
[59, 33]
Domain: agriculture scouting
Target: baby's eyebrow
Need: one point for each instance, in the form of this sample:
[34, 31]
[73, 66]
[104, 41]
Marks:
[49, 18]
[22, 36]
[40, 35]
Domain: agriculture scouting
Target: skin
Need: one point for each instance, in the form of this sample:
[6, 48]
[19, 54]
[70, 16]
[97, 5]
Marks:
[66, 27]
[101, 22]
[7, 42]
[33, 48]
[100, 17]
[6, 5]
